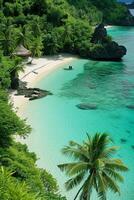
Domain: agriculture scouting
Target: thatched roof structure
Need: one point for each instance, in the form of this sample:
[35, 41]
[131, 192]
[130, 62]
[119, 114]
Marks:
[22, 51]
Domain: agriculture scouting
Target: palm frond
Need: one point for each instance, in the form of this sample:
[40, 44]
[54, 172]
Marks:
[75, 153]
[109, 151]
[101, 183]
[97, 145]
[74, 181]
[102, 195]
[111, 183]
[80, 167]
[116, 164]
[73, 143]
[74, 168]
[113, 174]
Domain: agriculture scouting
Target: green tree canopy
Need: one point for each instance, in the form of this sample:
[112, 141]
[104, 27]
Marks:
[10, 125]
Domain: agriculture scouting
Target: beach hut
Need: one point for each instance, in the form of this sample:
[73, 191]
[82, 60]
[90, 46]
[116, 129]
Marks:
[22, 52]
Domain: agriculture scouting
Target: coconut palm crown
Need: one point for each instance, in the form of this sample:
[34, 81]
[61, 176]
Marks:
[93, 167]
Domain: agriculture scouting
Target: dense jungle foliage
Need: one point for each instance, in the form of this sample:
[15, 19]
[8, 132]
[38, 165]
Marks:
[43, 27]
[53, 26]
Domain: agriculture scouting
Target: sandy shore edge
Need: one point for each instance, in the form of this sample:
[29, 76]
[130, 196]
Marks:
[108, 26]
[39, 68]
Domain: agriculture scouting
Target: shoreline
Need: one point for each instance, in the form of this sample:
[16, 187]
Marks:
[108, 26]
[34, 72]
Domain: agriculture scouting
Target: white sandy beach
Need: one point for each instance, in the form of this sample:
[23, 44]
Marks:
[108, 26]
[39, 68]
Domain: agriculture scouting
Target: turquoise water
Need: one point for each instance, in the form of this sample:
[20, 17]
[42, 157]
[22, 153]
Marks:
[56, 119]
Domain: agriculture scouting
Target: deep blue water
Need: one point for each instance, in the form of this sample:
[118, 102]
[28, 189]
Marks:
[56, 119]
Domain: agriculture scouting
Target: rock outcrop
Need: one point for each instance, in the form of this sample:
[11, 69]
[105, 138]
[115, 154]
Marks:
[33, 93]
[100, 34]
[130, 106]
[104, 48]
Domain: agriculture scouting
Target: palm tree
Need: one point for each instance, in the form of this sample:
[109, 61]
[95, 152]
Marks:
[7, 40]
[36, 47]
[93, 167]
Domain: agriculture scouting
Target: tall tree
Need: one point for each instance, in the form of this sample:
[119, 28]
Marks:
[7, 39]
[93, 167]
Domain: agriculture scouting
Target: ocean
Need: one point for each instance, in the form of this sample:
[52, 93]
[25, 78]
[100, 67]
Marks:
[56, 119]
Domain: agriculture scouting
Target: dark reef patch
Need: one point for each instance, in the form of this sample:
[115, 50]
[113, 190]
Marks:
[123, 140]
[84, 106]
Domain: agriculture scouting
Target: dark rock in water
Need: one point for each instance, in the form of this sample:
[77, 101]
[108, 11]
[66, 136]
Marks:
[33, 93]
[130, 107]
[104, 48]
[131, 122]
[87, 106]
[132, 146]
[92, 87]
[128, 131]
[123, 140]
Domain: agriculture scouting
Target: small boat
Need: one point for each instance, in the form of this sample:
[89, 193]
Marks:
[69, 68]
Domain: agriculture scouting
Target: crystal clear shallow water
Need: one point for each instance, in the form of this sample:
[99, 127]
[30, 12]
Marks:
[56, 119]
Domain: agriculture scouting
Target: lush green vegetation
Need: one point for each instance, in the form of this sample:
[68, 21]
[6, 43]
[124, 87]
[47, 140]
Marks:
[43, 27]
[22, 179]
[49, 26]
[93, 167]
[109, 10]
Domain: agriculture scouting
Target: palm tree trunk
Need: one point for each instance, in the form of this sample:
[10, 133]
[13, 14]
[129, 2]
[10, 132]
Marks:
[83, 196]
